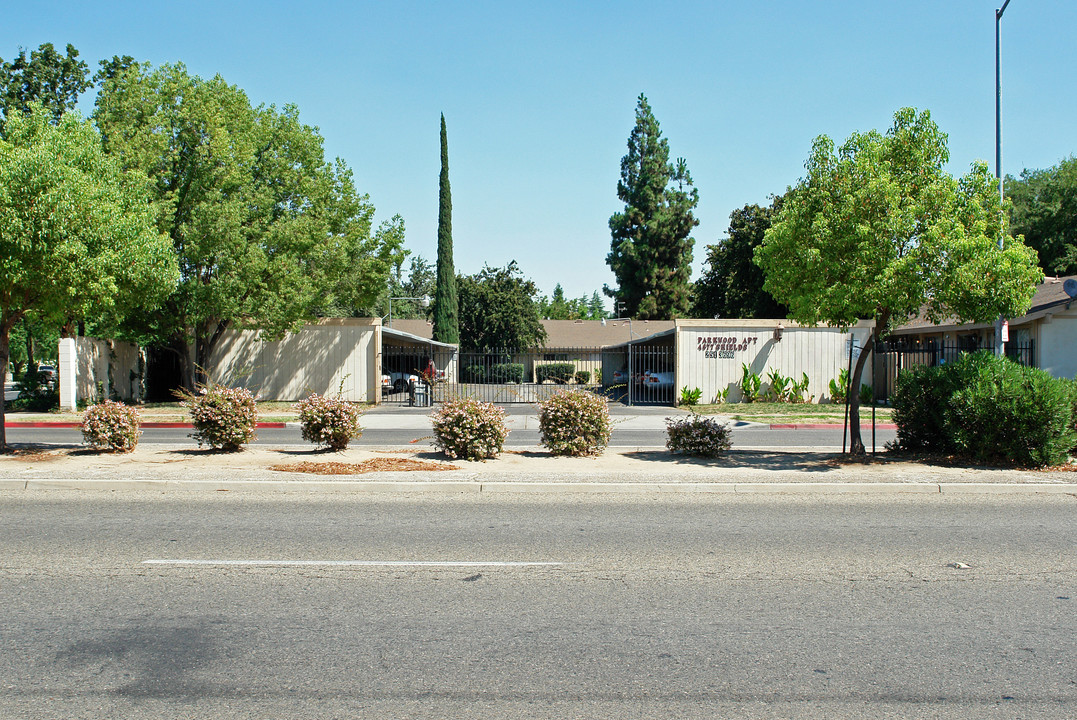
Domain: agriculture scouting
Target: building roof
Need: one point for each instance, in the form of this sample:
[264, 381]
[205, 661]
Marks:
[399, 335]
[567, 333]
[1049, 297]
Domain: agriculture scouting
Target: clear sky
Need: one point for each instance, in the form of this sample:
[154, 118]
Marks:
[539, 97]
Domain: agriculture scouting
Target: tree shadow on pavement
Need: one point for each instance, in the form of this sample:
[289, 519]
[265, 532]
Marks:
[756, 459]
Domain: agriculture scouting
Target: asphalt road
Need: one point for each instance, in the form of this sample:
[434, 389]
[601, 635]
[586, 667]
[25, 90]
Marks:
[139, 605]
[744, 437]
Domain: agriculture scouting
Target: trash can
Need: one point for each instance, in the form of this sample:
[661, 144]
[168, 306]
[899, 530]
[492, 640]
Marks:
[420, 395]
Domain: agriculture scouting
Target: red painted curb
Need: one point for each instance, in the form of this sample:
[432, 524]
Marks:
[18, 424]
[826, 426]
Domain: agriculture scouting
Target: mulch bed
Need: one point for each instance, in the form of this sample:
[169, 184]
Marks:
[389, 464]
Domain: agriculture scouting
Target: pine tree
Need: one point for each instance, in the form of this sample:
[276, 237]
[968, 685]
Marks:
[446, 303]
[651, 250]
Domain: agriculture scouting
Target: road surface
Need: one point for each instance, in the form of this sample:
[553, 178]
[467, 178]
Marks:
[300, 605]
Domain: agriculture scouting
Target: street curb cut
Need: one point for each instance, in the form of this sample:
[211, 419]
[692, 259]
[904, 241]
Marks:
[559, 488]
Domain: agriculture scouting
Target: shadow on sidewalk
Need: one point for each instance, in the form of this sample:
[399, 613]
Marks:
[757, 459]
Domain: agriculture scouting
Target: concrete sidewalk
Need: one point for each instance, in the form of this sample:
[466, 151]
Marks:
[421, 469]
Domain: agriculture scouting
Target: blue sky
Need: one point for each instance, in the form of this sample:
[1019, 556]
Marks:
[539, 97]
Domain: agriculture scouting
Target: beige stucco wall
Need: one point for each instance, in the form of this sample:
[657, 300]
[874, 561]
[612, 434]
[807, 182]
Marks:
[710, 354]
[333, 354]
[116, 365]
[1056, 343]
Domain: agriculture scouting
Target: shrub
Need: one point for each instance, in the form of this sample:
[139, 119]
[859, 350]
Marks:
[469, 429]
[560, 372]
[986, 407]
[37, 392]
[506, 373]
[583, 377]
[329, 421]
[798, 391]
[749, 384]
[112, 426]
[778, 387]
[690, 397]
[575, 423]
[223, 417]
[839, 387]
[697, 435]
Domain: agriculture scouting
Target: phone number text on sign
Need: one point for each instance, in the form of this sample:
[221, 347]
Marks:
[722, 347]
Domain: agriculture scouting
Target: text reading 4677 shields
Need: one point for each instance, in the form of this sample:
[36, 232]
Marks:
[721, 347]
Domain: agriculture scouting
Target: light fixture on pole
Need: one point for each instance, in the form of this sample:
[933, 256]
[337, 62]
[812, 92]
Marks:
[424, 301]
[1000, 323]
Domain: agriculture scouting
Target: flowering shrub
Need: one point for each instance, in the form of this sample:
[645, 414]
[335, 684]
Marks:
[575, 423]
[469, 429]
[223, 417]
[697, 435]
[329, 421]
[112, 426]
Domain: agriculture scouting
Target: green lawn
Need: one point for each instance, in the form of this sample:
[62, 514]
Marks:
[790, 412]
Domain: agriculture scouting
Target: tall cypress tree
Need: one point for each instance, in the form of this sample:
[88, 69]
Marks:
[651, 250]
[446, 304]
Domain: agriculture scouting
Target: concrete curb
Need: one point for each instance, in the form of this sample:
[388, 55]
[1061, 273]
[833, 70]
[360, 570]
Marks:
[76, 425]
[457, 487]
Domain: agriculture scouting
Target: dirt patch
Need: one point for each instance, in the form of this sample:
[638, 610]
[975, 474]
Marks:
[389, 464]
[32, 455]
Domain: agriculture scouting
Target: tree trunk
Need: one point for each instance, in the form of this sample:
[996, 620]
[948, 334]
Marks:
[180, 346]
[5, 336]
[204, 346]
[856, 444]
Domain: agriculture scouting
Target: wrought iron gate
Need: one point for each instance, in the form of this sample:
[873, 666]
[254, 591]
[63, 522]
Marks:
[422, 374]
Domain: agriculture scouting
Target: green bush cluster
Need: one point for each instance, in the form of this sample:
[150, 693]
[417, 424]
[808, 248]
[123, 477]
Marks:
[223, 417]
[37, 393]
[575, 423]
[329, 421]
[560, 372]
[698, 435]
[496, 373]
[986, 407]
[470, 429]
[583, 377]
[112, 426]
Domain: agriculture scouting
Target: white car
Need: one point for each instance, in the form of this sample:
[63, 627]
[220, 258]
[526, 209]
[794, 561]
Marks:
[653, 380]
[397, 380]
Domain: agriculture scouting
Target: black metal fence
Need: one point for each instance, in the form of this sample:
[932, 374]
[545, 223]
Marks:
[424, 374]
[893, 357]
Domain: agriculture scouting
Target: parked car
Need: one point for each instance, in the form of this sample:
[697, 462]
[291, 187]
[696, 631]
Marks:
[620, 377]
[657, 380]
[397, 380]
[47, 372]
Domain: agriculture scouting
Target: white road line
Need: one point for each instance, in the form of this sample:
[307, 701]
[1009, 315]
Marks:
[353, 563]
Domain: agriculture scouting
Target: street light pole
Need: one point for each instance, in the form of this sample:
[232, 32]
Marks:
[999, 345]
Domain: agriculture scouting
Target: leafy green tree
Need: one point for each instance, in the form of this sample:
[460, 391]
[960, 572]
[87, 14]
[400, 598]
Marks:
[419, 282]
[732, 284]
[268, 234]
[47, 77]
[446, 300]
[498, 311]
[77, 234]
[596, 307]
[651, 250]
[1044, 211]
[879, 230]
[558, 307]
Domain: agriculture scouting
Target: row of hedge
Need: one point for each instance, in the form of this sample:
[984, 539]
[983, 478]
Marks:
[986, 407]
[560, 373]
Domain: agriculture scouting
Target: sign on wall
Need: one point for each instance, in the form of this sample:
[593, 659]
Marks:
[723, 347]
